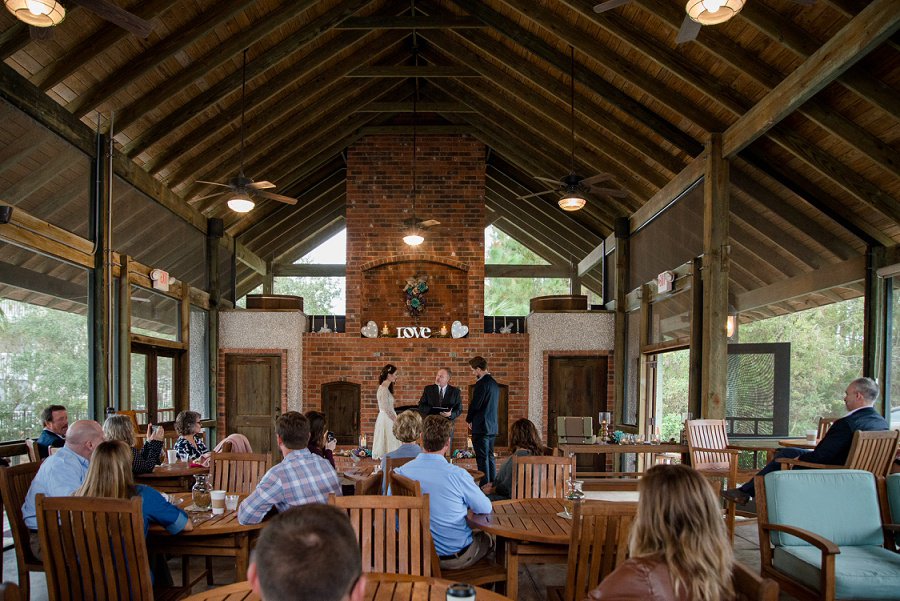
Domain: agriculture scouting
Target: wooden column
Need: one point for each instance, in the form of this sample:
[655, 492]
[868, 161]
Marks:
[695, 374]
[623, 229]
[715, 282]
[874, 321]
[643, 397]
[100, 283]
[124, 333]
[183, 384]
[212, 272]
[269, 278]
[574, 280]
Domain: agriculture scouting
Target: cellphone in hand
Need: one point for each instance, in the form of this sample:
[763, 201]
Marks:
[329, 436]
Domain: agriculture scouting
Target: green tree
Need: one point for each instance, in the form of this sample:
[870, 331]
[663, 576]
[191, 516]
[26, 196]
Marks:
[319, 294]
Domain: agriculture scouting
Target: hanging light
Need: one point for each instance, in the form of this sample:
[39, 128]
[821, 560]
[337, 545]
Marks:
[240, 202]
[40, 13]
[414, 238]
[572, 201]
[710, 12]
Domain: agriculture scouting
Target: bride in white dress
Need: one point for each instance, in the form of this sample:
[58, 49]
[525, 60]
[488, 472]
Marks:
[384, 441]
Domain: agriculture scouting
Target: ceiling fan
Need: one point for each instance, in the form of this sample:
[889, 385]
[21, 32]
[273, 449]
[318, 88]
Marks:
[699, 13]
[40, 15]
[241, 189]
[573, 186]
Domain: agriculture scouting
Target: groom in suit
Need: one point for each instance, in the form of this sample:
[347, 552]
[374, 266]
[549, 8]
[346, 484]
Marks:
[440, 398]
[482, 417]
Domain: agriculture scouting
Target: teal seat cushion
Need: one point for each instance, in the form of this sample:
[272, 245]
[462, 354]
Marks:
[869, 572]
[893, 494]
[840, 505]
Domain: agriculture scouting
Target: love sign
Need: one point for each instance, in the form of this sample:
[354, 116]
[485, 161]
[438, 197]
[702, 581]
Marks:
[413, 332]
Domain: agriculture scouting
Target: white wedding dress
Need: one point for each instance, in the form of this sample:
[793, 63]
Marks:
[384, 442]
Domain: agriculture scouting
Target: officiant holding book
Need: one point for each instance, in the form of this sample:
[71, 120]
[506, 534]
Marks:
[440, 398]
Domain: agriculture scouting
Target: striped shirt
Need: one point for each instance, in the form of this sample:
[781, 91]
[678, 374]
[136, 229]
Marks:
[299, 479]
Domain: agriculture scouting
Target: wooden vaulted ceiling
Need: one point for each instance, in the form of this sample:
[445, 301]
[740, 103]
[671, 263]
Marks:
[816, 190]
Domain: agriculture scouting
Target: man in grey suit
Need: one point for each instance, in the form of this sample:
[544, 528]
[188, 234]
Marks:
[482, 417]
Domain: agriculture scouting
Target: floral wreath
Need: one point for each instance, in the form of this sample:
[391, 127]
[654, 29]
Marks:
[415, 290]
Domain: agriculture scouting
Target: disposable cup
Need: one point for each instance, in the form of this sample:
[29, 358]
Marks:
[217, 498]
[172, 455]
[811, 435]
[231, 502]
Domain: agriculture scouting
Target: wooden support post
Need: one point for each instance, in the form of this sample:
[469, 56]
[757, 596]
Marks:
[124, 333]
[183, 383]
[212, 271]
[714, 353]
[574, 280]
[269, 278]
[100, 279]
[873, 318]
[621, 356]
[695, 373]
[643, 397]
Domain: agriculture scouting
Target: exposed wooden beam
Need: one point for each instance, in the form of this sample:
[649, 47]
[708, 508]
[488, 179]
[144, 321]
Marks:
[405, 72]
[312, 241]
[310, 270]
[312, 226]
[592, 259]
[248, 258]
[374, 130]
[14, 39]
[668, 193]
[424, 107]
[527, 271]
[28, 231]
[409, 23]
[831, 276]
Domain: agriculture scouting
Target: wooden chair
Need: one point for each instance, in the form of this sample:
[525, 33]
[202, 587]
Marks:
[871, 451]
[14, 485]
[394, 533]
[238, 472]
[370, 485]
[598, 544]
[391, 464]
[226, 446]
[750, 586]
[33, 453]
[9, 591]
[133, 416]
[541, 477]
[53, 450]
[713, 457]
[550, 451]
[481, 573]
[94, 549]
[825, 424]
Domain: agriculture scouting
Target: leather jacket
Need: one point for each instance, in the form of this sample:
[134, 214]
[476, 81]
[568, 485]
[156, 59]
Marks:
[644, 579]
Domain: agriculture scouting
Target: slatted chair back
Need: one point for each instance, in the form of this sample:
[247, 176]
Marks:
[370, 485]
[401, 486]
[873, 451]
[53, 450]
[391, 464]
[707, 434]
[598, 544]
[33, 454]
[394, 533]
[238, 472]
[750, 586]
[9, 591]
[550, 451]
[14, 485]
[825, 424]
[94, 549]
[133, 416]
[226, 446]
[541, 477]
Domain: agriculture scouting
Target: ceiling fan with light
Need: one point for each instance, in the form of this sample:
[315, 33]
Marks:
[699, 13]
[241, 189]
[573, 186]
[42, 14]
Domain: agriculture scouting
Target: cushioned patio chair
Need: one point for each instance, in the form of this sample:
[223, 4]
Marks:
[822, 535]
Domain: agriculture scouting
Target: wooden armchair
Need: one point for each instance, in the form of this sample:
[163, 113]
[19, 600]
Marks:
[33, 454]
[597, 545]
[370, 485]
[238, 472]
[14, 485]
[750, 586]
[712, 456]
[94, 549]
[825, 424]
[872, 451]
[9, 591]
[391, 464]
[541, 477]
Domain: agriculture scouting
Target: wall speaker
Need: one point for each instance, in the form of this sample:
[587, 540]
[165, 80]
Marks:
[5, 213]
[215, 227]
[622, 227]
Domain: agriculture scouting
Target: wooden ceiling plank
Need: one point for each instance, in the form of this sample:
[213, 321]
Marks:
[585, 76]
[540, 78]
[423, 107]
[311, 241]
[36, 180]
[410, 23]
[284, 219]
[323, 216]
[26, 146]
[14, 39]
[272, 114]
[511, 229]
[407, 71]
[531, 226]
[867, 30]
[185, 35]
[95, 44]
[256, 67]
[393, 130]
[776, 236]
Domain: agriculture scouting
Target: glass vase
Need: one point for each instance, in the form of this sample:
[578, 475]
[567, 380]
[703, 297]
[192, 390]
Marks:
[200, 493]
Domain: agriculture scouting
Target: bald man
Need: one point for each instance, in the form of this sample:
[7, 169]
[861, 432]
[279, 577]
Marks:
[63, 472]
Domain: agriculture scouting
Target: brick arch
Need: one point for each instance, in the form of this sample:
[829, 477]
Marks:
[414, 258]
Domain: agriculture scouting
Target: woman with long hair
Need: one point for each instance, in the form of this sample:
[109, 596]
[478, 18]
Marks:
[384, 441]
[189, 444]
[318, 432]
[119, 427]
[109, 475]
[678, 546]
[524, 441]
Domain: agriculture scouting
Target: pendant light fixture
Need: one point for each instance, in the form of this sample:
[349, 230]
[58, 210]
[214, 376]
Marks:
[711, 12]
[414, 235]
[572, 199]
[240, 201]
[40, 13]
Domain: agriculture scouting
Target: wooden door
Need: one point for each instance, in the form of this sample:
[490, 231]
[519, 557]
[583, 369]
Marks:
[340, 404]
[502, 439]
[577, 388]
[253, 399]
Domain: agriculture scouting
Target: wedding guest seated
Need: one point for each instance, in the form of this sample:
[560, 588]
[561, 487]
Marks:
[189, 445]
[524, 441]
[300, 478]
[452, 492]
[119, 427]
[61, 473]
[678, 547]
[56, 423]
[318, 431]
[308, 552]
[407, 429]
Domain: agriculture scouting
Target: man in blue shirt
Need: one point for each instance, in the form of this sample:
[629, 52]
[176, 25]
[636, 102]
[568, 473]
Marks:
[452, 492]
[56, 423]
[62, 473]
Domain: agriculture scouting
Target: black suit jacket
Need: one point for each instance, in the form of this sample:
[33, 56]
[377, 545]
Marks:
[835, 445]
[483, 406]
[431, 397]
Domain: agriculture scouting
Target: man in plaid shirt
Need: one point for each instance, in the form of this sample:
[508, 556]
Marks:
[300, 478]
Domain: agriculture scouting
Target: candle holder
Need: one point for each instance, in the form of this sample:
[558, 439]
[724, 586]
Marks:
[605, 419]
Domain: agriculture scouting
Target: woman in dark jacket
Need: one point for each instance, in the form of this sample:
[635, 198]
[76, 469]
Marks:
[524, 440]
[318, 429]
[120, 427]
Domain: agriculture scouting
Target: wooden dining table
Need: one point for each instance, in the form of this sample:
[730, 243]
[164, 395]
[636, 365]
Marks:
[380, 586]
[213, 536]
[172, 477]
[364, 471]
[535, 522]
[797, 443]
